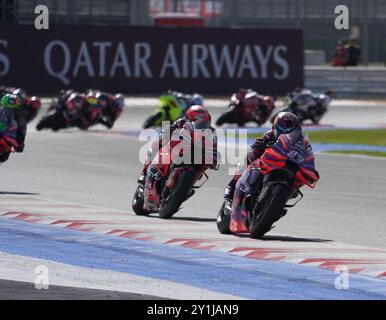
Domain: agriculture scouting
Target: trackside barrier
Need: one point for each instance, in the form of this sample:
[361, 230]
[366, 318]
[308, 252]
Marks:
[350, 82]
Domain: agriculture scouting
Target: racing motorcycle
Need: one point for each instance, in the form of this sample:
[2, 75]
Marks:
[307, 105]
[8, 141]
[173, 107]
[257, 111]
[55, 119]
[285, 167]
[174, 183]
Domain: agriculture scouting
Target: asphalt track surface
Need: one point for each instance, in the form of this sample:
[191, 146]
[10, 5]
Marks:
[11, 290]
[100, 169]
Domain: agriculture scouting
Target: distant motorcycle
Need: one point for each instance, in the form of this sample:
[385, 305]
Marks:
[251, 108]
[175, 183]
[285, 167]
[307, 105]
[55, 119]
[173, 106]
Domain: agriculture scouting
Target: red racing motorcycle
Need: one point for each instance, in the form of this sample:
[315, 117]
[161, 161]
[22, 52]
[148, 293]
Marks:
[285, 167]
[248, 107]
[8, 143]
[174, 182]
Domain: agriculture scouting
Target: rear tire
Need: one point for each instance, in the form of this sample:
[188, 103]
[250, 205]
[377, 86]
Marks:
[316, 116]
[272, 211]
[178, 195]
[223, 220]
[138, 202]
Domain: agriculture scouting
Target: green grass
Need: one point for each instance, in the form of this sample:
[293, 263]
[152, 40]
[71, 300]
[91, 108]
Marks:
[364, 153]
[374, 137]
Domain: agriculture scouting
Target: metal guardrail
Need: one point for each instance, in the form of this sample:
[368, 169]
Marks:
[350, 82]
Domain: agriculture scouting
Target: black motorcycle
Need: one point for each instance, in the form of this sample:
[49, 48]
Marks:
[55, 119]
[307, 105]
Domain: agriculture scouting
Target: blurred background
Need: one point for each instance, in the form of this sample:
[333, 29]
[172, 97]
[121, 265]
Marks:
[315, 17]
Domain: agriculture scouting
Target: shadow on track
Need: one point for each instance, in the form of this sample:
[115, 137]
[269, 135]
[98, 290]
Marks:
[196, 219]
[284, 238]
[294, 239]
[18, 193]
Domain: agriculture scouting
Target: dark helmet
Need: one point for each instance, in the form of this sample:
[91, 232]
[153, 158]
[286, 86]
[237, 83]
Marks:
[119, 100]
[197, 99]
[103, 99]
[285, 123]
[268, 102]
[199, 116]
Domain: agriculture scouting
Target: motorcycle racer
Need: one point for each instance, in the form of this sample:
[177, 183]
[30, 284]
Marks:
[199, 118]
[173, 106]
[29, 106]
[247, 105]
[91, 110]
[307, 105]
[9, 104]
[112, 110]
[245, 179]
[73, 109]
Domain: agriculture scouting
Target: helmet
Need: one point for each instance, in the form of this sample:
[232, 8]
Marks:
[268, 102]
[119, 100]
[75, 101]
[199, 116]
[35, 103]
[251, 100]
[197, 99]
[21, 94]
[285, 123]
[91, 100]
[10, 101]
[102, 99]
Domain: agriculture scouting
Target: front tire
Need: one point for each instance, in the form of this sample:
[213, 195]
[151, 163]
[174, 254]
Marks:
[272, 210]
[138, 202]
[54, 122]
[227, 117]
[152, 120]
[178, 195]
[224, 219]
[41, 125]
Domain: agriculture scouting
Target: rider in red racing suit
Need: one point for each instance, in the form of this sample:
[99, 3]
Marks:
[250, 101]
[201, 119]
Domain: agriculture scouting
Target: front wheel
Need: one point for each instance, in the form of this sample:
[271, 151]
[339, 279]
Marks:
[153, 120]
[224, 218]
[265, 214]
[40, 126]
[178, 195]
[54, 121]
[316, 115]
[138, 202]
[227, 117]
